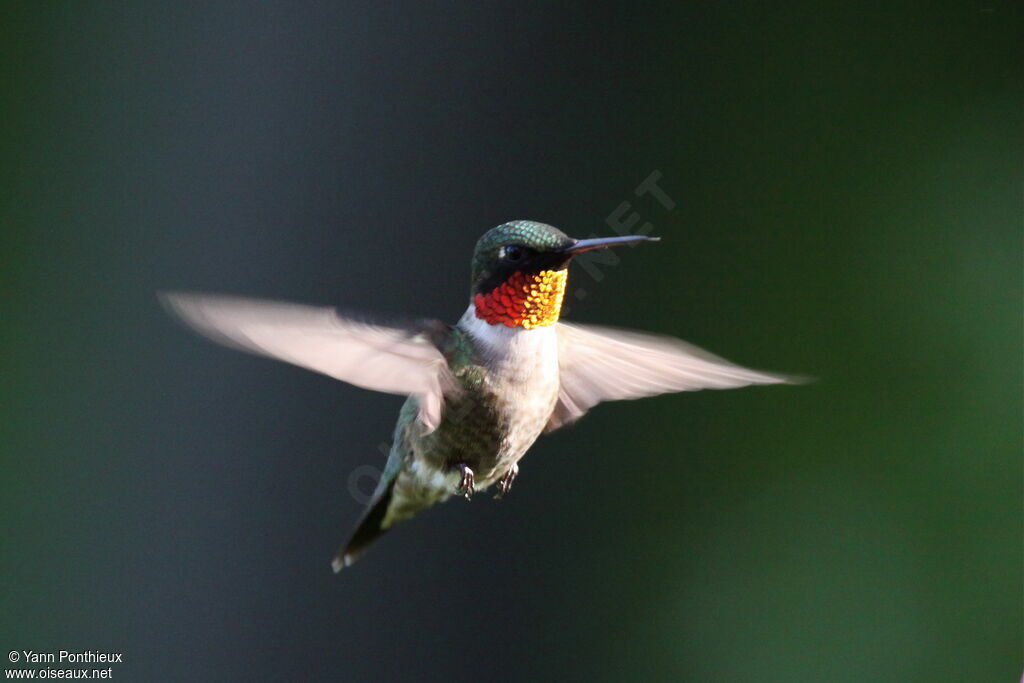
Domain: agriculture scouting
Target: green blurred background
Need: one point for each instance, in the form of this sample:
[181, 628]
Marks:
[848, 204]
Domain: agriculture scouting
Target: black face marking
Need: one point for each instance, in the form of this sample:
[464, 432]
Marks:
[500, 269]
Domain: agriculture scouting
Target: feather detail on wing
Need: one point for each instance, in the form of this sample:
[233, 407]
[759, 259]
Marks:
[602, 364]
[388, 359]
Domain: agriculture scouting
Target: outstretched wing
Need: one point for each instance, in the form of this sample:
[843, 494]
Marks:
[388, 359]
[602, 364]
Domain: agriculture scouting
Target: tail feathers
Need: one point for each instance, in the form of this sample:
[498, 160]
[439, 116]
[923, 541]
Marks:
[367, 531]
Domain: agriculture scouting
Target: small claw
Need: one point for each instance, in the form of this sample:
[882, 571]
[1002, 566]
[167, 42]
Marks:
[505, 483]
[466, 485]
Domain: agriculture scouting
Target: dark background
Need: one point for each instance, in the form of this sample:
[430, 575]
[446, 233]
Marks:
[848, 189]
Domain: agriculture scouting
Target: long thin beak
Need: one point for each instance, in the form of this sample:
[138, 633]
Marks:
[581, 246]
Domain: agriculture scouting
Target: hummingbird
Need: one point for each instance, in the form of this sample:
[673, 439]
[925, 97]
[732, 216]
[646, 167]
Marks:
[480, 392]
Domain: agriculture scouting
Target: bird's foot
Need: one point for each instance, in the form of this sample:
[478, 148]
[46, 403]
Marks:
[466, 485]
[505, 483]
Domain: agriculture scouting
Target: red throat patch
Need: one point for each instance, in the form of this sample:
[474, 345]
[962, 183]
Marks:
[524, 300]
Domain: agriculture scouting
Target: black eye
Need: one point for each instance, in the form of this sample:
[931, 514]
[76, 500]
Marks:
[512, 252]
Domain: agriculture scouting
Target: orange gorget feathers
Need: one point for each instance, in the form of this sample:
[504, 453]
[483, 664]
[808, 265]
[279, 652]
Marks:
[525, 299]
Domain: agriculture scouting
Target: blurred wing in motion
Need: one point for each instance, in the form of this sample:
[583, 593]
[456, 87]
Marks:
[388, 359]
[602, 364]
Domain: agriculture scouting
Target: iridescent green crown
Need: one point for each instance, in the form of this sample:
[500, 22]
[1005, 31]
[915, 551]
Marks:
[538, 237]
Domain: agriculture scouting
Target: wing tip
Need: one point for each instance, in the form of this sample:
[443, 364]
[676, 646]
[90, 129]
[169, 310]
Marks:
[796, 380]
[180, 306]
[183, 306]
[341, 561]
[193, 311]
[170, 300]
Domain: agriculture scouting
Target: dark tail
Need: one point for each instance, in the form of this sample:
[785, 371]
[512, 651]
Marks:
[367, 531]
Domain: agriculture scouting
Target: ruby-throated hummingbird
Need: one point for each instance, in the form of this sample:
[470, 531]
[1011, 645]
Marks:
[482, 391]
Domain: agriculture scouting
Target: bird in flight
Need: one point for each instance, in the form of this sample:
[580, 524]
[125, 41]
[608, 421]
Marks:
[480, 392]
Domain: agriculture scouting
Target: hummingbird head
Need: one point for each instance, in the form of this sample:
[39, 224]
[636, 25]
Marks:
[520, 270]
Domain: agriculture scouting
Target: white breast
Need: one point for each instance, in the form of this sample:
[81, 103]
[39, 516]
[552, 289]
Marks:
[515, 353]
[524, 372]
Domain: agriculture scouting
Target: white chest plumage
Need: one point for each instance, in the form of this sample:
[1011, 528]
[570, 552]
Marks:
[524, 374]
[522, 379]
